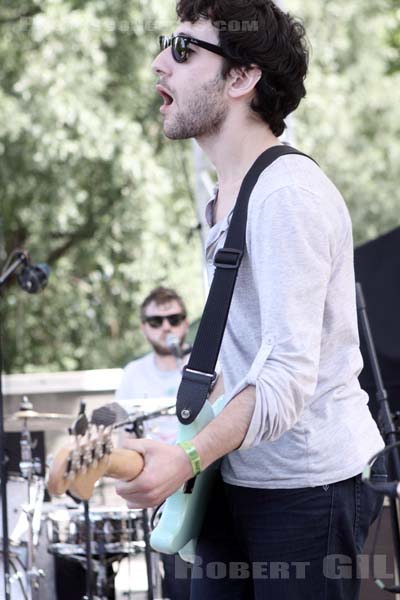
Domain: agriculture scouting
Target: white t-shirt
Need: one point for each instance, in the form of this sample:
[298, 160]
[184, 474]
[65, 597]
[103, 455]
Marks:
[142, 379]
[292, 333]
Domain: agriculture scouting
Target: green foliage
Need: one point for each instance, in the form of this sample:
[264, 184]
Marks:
[393, 36]
[89, 184]
[350, 121]
[86, 184]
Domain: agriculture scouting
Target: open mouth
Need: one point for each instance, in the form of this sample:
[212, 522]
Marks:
[168, 99]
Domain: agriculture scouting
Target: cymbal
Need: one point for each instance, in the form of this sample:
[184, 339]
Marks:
[36, 421]
[147, 405]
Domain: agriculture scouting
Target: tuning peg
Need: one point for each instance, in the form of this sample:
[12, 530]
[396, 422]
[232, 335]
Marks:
[88, 455]
[99, 446]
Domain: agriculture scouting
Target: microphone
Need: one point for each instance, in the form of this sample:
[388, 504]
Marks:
[174, 346]
[34, 278]
[108, 414]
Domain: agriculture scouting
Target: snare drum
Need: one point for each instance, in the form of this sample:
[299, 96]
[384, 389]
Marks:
[113, 530]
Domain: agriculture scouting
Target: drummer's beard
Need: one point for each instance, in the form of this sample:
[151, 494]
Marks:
[164, 350]
[161, 350]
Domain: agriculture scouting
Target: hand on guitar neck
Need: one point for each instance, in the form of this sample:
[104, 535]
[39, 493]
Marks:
[166, 469]
[77, 467]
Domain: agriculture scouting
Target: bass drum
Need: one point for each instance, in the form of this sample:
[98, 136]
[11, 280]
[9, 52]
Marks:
[113, 531]
[18, 558]
[17, 495]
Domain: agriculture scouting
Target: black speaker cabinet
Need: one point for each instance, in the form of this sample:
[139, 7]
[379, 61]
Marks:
[382, 561]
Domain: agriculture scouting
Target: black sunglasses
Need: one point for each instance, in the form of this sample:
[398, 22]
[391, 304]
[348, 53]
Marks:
[156, 321]
[180, 46]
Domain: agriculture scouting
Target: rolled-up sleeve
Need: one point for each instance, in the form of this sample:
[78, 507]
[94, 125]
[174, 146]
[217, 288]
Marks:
[291, 248]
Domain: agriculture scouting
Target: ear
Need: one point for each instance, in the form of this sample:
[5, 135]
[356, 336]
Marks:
[243, 80]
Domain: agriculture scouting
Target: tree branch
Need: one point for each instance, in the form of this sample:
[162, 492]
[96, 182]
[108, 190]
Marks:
[83, 233]
[68, 244]
[25, 15]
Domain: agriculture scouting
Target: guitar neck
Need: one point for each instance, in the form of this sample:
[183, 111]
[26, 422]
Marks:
[124, 465]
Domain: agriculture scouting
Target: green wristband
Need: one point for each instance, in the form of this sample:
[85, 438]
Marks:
[193, 456]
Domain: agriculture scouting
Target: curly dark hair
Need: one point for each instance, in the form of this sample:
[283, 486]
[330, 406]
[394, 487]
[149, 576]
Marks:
[258, 32]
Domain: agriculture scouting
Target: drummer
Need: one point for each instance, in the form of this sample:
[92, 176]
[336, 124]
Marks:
[158, 374]
[164, 324]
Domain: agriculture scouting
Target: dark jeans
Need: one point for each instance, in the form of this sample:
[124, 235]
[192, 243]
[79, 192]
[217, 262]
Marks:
[296, 544]
[176, 583]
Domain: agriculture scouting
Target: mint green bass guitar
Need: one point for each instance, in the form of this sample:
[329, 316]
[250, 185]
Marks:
[182, 516]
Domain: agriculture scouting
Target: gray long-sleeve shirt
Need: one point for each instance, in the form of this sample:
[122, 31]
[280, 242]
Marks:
[292, 332]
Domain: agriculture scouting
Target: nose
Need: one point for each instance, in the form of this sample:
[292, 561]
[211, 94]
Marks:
[161, 65]
[165, 325]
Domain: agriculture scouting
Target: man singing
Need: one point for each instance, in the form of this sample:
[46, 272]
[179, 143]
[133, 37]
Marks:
[297, 431]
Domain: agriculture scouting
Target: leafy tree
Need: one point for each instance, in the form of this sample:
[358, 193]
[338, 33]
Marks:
[350, 120]
[87, 185]
[393, 36]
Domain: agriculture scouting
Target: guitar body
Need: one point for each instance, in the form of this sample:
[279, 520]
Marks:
[183, 513]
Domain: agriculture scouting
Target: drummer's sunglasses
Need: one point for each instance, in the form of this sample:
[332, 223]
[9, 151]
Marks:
[180, 46]
[156, 321]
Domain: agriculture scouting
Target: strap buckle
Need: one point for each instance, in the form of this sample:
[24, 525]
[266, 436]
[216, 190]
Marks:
[195, 385]
[198, 376]
[228, 258]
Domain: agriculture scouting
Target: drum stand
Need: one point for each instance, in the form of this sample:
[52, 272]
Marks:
[20, 258]
[147, 552]
[101, 581]
[135, 425]
[31, 469]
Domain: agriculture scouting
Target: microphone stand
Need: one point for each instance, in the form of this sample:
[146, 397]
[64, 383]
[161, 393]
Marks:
[385, 420]
[88, 551]
[134, 422]
[21, 258]
[136, 427]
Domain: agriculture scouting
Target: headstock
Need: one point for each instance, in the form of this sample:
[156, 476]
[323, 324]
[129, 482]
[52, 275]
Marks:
[87, 459]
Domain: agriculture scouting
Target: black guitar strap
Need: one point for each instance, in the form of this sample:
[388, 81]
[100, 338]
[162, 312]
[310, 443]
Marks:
[199, 374]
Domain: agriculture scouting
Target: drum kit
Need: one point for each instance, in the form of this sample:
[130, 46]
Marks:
[93, 538]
